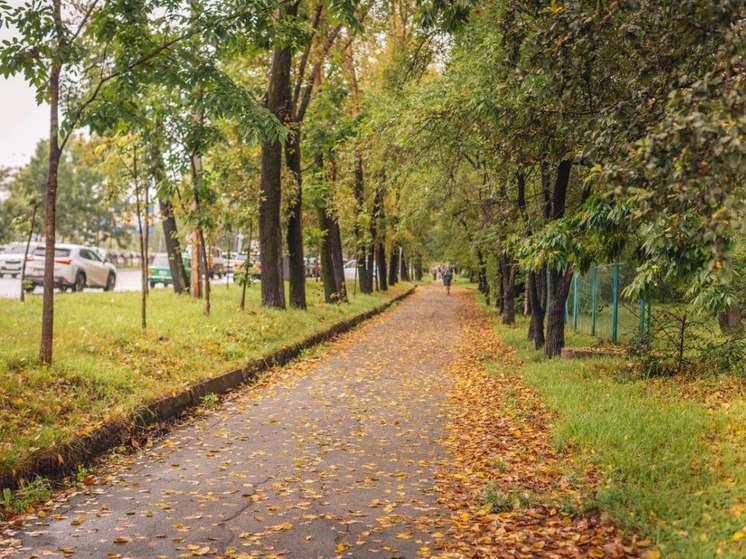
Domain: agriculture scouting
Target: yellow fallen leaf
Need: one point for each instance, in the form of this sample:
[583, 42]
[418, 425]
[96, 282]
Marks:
[738, 536]
[404, 535]
[280, 527]
[342, 547]
[121, 539]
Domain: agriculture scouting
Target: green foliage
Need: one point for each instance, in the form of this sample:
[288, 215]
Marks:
[210, 401]
[18, 501]
[84, 207]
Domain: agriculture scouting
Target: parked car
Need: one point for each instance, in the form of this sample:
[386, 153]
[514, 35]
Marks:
[160, 270]
[75, 267]
[237, 262]
[217, 262]
[351, 271]
[11, 258]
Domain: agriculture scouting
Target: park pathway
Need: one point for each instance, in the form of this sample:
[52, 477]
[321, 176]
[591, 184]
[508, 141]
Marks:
[332, 456]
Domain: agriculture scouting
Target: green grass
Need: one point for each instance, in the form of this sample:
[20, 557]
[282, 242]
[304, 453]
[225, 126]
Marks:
[105, 367]
[670, 453]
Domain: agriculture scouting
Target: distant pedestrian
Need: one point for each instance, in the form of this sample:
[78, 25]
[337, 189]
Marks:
[447, 278]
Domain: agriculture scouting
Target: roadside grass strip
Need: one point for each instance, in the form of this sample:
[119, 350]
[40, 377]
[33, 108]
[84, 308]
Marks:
[669, 453]
[511, 492]
[105, 367]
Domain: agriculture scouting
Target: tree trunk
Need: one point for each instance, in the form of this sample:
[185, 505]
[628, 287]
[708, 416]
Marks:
[393, 266]
[484, 286]
[168, 220]
[327, 266]
[270, 228]
[203, 258]
[143, 272]
[173, 246]
[508, 270]
[403, 268]
[559, 289]
[32, 224]
[364, 250]
[364, 271]
[730, 320]
[335, 247]
[50, 229]
[247, 267]
[536, 308]
[296, 262]
[195, 288]
[206, 267]
[142, 226]
[418, 268]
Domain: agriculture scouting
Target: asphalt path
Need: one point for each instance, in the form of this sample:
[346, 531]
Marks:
[333, 456]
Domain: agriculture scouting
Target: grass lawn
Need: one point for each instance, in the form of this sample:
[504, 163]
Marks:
[105, 366]
[671, 452]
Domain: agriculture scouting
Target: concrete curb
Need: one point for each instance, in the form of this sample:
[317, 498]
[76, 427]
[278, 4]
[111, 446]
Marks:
[589, 353]
[85, 448]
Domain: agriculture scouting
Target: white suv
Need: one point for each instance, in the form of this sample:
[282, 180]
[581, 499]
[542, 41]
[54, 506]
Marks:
[11, 258]
[75, 267]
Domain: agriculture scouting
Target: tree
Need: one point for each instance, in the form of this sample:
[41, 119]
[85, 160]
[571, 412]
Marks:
[52, 49]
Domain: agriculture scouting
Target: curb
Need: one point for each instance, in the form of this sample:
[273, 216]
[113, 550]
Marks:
[83, 450]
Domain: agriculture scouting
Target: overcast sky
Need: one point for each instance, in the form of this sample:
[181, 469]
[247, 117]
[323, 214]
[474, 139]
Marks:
[24, 122]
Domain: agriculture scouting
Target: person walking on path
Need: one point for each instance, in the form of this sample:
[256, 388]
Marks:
[447, 278]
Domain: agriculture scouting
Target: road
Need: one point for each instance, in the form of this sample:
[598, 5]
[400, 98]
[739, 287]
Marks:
[127, 280]
[333, 457]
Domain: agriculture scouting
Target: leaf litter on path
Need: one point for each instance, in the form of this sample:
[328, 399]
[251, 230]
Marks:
[507, 488]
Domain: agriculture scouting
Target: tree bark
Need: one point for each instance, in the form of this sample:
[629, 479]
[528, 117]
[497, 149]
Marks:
[393, 266]
[403, 268]
[559, 282]
[327, 266]
[418, 268]
[247, 267]
[142, 230]
[206, 267]
[364, 250]
[508, 269]
[335, 242]
[483, 285]
[31, 227]
[173, 246]
[536, 308]
[195, 288]
[168, 220]
[730, 320]
[270, 228]
[296, 262]
[47, 313]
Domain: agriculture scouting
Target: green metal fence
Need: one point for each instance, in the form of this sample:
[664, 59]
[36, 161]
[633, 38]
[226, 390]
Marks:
[595, 304]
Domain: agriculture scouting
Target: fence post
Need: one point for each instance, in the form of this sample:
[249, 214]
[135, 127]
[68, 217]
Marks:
[547, 281]
[615, 307]
[575, 302]
[642, 316]
[594, 293]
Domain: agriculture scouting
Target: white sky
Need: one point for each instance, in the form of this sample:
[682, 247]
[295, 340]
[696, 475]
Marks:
[24, 122]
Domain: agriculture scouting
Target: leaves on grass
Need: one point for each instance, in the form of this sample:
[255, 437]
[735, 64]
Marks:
[507, 487]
